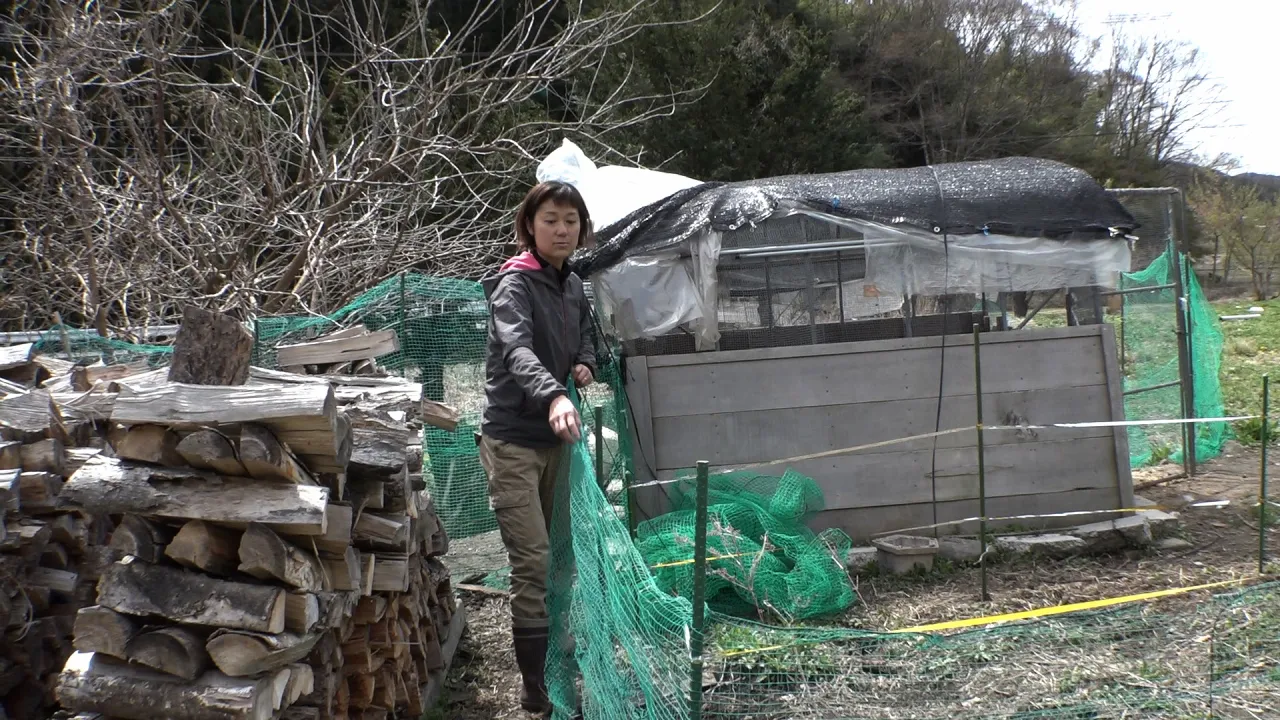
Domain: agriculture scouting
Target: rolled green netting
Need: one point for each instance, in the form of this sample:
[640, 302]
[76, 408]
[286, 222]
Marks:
[89, 347]
[1147, 336]
[765, 559]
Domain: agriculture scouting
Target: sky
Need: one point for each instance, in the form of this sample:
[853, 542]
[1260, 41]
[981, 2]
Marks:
[1238, 41]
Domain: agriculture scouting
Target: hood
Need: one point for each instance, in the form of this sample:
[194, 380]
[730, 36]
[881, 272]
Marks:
[527, 263]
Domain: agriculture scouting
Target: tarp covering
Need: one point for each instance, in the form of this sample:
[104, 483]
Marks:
[1020, 197]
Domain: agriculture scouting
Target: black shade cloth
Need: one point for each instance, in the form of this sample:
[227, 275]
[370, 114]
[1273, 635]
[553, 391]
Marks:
[1026, 197]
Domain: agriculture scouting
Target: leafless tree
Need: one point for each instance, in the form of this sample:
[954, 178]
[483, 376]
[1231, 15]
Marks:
[146, 166]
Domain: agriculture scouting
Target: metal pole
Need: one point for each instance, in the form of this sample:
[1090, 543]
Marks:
[1181, 336]
[982, 470]
[633, 508]
[1184, 265]
[699, 590]
[598, 412]
[1262, 480]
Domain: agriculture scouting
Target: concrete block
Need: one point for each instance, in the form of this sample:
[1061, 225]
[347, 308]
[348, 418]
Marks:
[960, 550]
[1162, 524]
[1051, 545]
[859, 558]
[1141, 502]
[900, 554]
[1135, 529]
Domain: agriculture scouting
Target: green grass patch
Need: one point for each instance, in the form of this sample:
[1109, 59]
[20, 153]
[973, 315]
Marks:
[1251, 348]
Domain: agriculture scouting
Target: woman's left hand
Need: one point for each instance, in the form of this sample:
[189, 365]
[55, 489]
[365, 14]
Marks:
[582, 375]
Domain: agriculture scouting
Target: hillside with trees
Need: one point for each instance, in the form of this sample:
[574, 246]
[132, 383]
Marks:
[270, 156]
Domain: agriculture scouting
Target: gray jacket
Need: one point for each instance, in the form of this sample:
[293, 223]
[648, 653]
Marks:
[539, 328]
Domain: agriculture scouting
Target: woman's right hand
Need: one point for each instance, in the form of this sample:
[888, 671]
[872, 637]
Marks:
[564, 419]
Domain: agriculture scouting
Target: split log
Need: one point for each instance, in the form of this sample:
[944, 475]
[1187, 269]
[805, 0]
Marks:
[203, 546]
[335, 608]
[377, 446]
[301, 682]
[370, 610]
[172, 650]
[340, 349]
[109, 485]
[298, 713]
[155, 444]
[344, 573]
[59, 581]
[208, 449]
[12, 356]
[38, 492]
[211, 349]
[10, 491]
[337, 537]
[31, 417]
[137, 588]
[45, 455]
[264, 555]
[70, 532]
[265, 458]
[240, 654]
[102, 630]
[439, 415]
[10, 455]
[301, 612]
[383, 530]
[367, 564]
[96, 683]
[391, 573]
[55, 556]
[367, 494]
[78, 456]
[85, 378]
[141, 538]
[304, 417]
[32, 536]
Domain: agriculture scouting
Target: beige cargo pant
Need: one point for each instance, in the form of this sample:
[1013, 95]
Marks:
[522, 484]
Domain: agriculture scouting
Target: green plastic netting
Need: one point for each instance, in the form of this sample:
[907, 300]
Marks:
[764, 558]
[630, 656]
[1148, 345]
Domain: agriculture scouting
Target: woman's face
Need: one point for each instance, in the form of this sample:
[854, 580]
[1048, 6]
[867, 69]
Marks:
[556, 228]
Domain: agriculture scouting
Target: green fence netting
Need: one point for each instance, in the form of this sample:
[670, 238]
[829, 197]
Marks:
[630, 654]
[1148, 344]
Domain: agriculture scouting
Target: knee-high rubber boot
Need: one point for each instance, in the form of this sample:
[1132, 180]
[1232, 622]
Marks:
[531, 658]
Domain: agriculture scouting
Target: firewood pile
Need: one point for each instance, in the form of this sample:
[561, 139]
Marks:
[275, 553]
[50, 554]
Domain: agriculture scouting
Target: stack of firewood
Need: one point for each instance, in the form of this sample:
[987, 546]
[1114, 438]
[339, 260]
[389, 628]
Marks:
[275, 551]
[50, 554]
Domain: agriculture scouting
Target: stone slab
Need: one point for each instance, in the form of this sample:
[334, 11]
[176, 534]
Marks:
[1050, 545]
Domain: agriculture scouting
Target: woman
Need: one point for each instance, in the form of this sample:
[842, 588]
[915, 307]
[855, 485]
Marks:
[539, 337]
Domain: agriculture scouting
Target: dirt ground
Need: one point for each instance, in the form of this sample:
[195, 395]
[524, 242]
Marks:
[1223, 545]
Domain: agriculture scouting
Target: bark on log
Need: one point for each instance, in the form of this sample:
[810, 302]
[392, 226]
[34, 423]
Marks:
[337, 350]
[304, 416]
[109, 485]
[137, 588]
[31, 417]
[240, 654]
[202, 546]
[209, 449]
[102, 630]
[266, 458]
[140, 538]
[171, 650]
[210, 349]
[94, 683]
[264, 555]
[46, 455]
[155, 444]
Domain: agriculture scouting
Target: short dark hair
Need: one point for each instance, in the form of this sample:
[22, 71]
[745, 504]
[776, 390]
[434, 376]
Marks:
[559, 193]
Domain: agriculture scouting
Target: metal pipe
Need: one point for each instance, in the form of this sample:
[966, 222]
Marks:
[699, 591]
[846, 244]
[982, 470]
[1262, 480]
[1180, 331]
[1130, 291]
[1149, 388]
[1190, 389]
